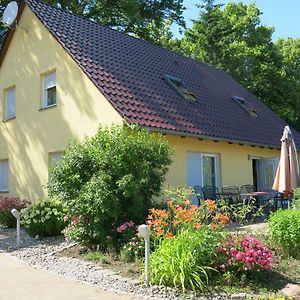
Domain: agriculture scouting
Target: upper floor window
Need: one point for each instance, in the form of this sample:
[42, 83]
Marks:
[180, 88]
[49, 89]
[4, 175]
[9, 103]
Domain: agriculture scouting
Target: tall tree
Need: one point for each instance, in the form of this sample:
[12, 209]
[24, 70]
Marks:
[136, 17]
[232, 38]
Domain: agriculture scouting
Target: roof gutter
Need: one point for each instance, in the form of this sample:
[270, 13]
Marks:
[204, 137]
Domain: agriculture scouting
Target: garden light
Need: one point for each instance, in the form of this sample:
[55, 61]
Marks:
[144, 232]
[16, 214]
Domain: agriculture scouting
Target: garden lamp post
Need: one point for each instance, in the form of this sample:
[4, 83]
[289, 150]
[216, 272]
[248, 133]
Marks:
[144, 232]
[16, 214]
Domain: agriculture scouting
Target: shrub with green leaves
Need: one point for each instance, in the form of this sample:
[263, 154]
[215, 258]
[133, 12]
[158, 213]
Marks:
[285, 231]
[44, 218]
[296, 198]
[185, 260]
[109, 179]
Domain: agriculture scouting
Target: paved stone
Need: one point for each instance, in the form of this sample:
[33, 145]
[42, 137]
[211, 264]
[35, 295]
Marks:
[21, 281]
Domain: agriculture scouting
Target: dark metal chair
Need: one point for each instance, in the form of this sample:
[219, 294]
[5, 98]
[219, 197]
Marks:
[199, 193]
[232, 193]
[211, 192]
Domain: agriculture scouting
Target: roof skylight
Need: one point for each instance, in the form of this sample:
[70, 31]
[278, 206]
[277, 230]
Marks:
[180, 88]
[248, 107]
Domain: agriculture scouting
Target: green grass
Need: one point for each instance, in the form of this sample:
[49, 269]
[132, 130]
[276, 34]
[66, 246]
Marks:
[97, 257]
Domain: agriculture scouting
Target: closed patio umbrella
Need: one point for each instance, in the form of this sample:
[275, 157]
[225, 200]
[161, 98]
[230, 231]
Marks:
[287, 175]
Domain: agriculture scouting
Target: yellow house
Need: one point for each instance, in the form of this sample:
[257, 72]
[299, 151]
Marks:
[61, 76]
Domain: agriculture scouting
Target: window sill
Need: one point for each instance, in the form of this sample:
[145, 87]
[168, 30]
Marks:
[6, 120]
[47, 107]
[4, 192]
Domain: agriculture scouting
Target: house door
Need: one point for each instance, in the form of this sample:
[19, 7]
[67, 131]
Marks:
[266, 170]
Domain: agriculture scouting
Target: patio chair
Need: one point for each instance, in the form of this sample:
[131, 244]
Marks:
[211, 192]
[232, 192]
[199, 193]
[247, 188]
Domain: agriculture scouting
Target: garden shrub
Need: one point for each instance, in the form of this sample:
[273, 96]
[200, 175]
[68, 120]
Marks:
[285, 231]
[109, 179]
[185, 260]
[296, 198]
[44, 218]
[6, 205]
[243, 254]
[167, 222]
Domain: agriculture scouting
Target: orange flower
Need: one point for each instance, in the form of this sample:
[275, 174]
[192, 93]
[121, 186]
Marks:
[175, 222]
[169, 235]
[197, 225]
[211, 205]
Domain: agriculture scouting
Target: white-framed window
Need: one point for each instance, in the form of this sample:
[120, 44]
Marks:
[10, 103]
[49, 89]
[203, 169]
[4, 175]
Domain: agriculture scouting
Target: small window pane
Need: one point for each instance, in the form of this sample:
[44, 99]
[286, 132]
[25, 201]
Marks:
[50, 89]
[10, 104]
[4, 175]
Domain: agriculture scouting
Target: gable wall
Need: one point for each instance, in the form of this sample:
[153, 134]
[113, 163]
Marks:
[28, 139]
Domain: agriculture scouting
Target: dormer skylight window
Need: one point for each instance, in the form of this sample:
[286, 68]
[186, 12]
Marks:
[180, 88]
[248, 107]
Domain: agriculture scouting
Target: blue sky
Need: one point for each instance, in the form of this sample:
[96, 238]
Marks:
[284, 15]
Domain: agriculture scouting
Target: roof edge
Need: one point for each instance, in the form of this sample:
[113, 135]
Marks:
[205, 137]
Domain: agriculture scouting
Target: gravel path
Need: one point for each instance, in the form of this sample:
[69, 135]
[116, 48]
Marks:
[41, 255]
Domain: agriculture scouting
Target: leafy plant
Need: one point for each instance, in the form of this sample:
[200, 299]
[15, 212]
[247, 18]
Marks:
[242, 254]
[296, 198]
[185, 260]
[285, 231]
[243, 213]
[133, 250]
[109, 179]
[167, 222]
[6, 205]
[44, 218]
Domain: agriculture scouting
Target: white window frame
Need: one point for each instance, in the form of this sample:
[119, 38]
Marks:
[4, 182]
[216, 167]
[10, 102]
[49, 81]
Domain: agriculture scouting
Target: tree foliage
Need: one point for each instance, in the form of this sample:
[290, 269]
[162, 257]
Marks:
[109, 179]
[232, 38]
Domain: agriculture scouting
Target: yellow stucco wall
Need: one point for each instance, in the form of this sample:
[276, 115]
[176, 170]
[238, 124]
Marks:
[235, 167]
[28, 139]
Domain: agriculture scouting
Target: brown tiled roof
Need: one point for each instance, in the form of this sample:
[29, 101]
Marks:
[130, 73]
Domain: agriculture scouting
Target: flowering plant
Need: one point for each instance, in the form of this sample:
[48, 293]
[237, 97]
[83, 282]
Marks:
[166, 223]
[242, 254]
[6, 205]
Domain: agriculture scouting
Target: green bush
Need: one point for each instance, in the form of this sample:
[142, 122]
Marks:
[43, 218]
[296, 198]
[109, 179]
[6, 205]
[184, 261]
[285, 231]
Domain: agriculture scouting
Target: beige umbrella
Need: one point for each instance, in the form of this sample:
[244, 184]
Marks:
[287, 175]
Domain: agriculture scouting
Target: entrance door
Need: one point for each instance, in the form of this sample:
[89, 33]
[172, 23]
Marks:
[266, 171]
